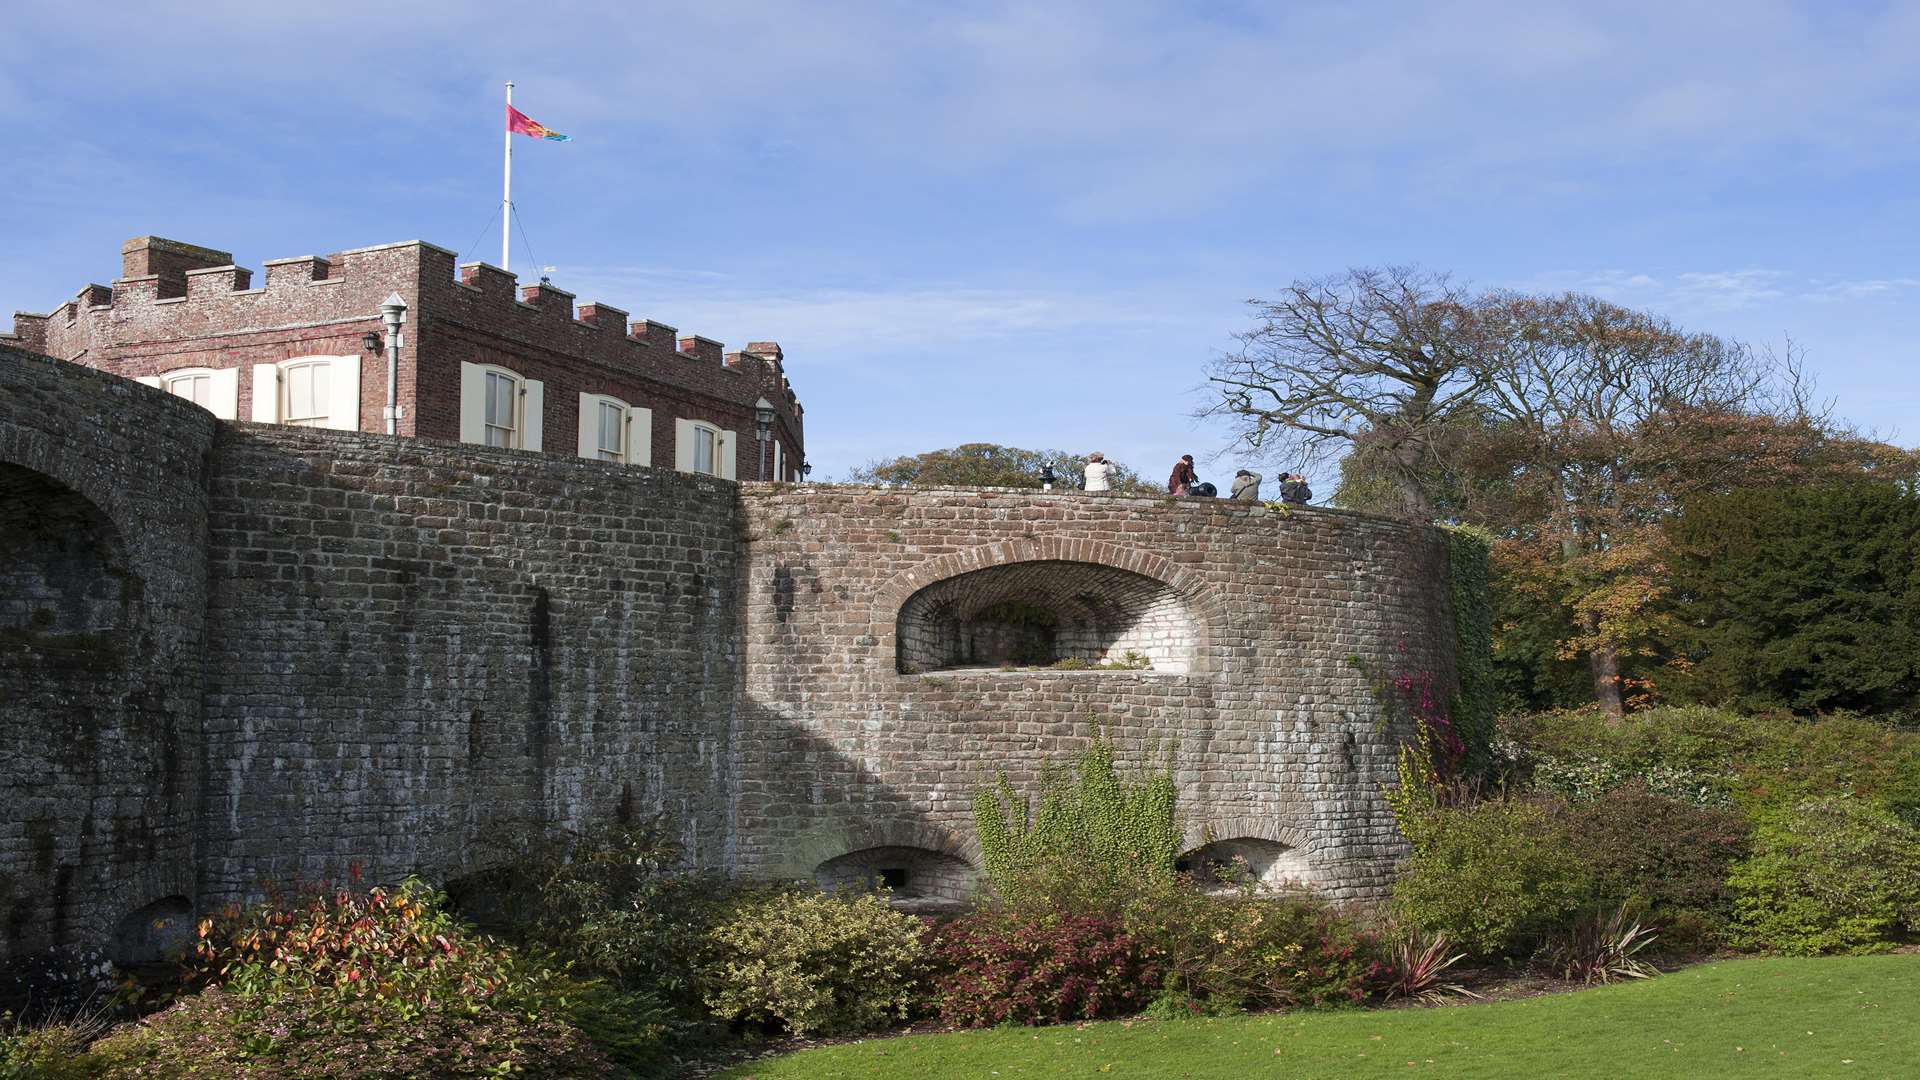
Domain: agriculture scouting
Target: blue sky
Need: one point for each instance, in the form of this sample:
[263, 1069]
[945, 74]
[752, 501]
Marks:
[1025, 223]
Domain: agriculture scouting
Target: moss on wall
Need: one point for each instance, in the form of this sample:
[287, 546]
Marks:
[1476, 695]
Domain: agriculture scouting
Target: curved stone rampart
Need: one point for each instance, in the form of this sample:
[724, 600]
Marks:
[1294, 616]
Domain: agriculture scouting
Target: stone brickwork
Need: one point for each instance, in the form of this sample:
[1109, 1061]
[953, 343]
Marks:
[102, 606]
[412, 646]
[1280, 737]
[233, 653]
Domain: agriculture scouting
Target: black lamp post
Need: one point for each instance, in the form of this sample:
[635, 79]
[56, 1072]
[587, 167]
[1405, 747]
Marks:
[370, 341]
[763, 430]
[1046, 476]
[806, 469]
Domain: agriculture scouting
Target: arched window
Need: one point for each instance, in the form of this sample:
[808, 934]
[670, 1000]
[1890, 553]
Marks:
[612, 430]
[309, 391]
[500, 407]
[215, 390]
[701, 447]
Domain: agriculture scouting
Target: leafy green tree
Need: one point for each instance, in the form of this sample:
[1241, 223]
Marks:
[1803, 598]
[992, 465]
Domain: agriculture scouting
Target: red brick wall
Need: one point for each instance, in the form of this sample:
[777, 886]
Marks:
[311, 305]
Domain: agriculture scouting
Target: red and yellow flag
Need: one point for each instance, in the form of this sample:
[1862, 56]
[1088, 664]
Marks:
[521, 124]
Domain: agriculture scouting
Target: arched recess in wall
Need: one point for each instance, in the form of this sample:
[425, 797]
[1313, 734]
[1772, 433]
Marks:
[1046, 600]
[152, 933]
[1047, 612]
[1237, 860]
[918, 878]
[65, 580]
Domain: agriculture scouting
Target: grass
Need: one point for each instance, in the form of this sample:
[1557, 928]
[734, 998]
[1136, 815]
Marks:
[1838, 1016]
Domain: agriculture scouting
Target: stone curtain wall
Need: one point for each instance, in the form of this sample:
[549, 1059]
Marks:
[102, 600]
[415, 646]
[1280, 736]
[233, 653]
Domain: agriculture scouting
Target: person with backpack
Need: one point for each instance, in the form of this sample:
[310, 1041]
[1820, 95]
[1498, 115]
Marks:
[1246, 486]
[1294, 491]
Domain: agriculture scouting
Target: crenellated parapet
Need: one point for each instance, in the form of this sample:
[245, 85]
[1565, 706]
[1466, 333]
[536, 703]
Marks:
[178, 306]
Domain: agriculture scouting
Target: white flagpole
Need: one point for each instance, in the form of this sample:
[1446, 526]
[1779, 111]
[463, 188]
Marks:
[506, 197]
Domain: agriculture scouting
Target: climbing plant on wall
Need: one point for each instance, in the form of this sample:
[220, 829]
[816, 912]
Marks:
[1091, 825]
[1475, 700]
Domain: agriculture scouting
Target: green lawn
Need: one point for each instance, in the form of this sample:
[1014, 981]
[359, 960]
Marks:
[1840, 1016]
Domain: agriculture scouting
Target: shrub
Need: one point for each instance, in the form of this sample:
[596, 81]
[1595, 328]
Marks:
[1107, 830]
[1832, 875]
[1416, 965]
[400, 946]
[341, 982]
[53, 1051]
[814, 963]
[609, 899]
[295, 1037]
[1496, 877]
[1602, 948]
[1217, 953]
[1661, 856]
[1000, 967]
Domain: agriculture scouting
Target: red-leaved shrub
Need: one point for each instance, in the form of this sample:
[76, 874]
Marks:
[1007, 967]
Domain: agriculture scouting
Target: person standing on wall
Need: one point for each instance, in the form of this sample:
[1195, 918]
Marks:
[1099, 473]
[1246, 486]
[1183, 478]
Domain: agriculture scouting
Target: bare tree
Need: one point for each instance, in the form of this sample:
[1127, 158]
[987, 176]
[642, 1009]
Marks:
[1373, 362]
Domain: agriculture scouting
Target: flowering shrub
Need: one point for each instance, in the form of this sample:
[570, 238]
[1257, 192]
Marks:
[397, 945]
[324, 982]
[999, 967]
[1587, 777]
[808, 962]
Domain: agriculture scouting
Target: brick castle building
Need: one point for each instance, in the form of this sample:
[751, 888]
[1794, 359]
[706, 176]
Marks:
[480, 362]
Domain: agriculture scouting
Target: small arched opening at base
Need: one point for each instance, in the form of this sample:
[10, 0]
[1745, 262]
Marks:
[153, 934]
[1048, 612]
[916, 878]
[1247, 860]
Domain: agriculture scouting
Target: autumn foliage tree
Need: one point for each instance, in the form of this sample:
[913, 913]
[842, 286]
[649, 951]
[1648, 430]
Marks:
[1571, 427]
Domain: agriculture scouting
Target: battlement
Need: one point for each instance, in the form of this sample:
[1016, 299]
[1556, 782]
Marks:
[189, 306]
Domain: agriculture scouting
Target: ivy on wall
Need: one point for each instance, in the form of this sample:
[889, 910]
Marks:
[1109, 827]
[1476, 698]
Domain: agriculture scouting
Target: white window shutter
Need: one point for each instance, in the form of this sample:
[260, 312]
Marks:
[266, 393]
[473, 403]
[343, 386]
[224, 394]
[777, 474]
[640, 436]
[148, 380]
[531, 424]
[729, 455]
[683, 444]
[589, 446]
